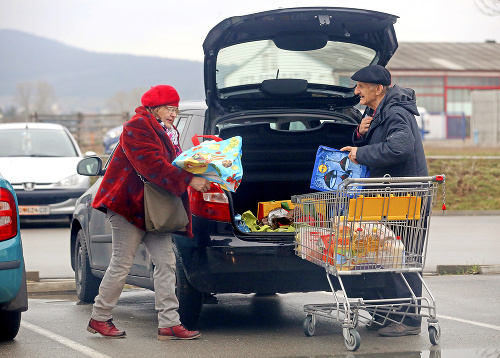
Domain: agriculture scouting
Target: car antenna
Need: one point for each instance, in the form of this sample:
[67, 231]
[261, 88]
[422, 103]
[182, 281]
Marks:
[277, 73]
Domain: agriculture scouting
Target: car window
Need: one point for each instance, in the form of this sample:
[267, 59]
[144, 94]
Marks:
[36, 143]
[180, 123]
[253, 62]
[284, 122]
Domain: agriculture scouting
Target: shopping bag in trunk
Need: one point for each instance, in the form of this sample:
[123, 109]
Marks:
[217, 160]
[332, 167]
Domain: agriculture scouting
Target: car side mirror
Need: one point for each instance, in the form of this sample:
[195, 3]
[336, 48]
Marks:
[90, 166]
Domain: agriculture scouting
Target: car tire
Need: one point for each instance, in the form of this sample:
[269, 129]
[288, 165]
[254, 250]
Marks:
[190, 299]
[87, 285]
[9, 325]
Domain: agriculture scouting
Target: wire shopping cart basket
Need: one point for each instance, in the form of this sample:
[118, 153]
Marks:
[368, 225]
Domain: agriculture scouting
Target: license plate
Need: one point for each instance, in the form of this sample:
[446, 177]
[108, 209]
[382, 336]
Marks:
[34, 210]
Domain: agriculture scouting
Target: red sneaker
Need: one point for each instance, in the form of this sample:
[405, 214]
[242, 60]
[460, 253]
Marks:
[105, 328]
[176, 332]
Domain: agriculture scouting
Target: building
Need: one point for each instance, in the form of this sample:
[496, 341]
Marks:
[444, 75]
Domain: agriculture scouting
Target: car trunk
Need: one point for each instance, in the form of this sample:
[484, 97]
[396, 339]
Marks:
[278, 164]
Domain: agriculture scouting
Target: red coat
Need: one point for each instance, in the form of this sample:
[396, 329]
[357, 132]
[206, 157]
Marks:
[144, 146]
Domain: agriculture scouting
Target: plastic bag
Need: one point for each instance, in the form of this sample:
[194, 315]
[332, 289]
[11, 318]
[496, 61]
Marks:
[332, 167]
[218, 160]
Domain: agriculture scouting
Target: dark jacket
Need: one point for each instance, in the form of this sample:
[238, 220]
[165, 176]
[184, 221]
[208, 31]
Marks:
[146, 148]
[393, 144]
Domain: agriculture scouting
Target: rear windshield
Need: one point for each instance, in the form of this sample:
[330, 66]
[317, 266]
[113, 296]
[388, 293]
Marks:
[253, 62]
[285, 122]
[36, 143]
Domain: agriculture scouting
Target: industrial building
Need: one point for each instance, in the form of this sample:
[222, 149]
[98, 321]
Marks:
[444, 76]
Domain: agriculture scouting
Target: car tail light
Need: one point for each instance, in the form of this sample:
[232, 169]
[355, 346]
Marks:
[8, 215]
[212, 204]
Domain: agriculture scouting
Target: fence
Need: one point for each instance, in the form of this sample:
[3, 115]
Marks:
[88, 129]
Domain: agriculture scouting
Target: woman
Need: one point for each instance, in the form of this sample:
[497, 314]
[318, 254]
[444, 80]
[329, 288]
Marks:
[148, 145]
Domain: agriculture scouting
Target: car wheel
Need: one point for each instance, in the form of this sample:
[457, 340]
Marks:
[190, 299]
[87, 285]
[9, 325]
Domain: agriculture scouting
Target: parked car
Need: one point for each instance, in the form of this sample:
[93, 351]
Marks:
[111, 138]
[13, 291]
[39, 160]
[281, 80]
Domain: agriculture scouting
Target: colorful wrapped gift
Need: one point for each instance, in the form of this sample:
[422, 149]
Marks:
[217, 160]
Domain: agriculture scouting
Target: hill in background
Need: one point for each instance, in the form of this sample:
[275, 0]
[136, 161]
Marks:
[85, 81]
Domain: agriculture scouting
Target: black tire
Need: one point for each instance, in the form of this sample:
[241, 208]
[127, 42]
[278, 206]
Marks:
[87, 285]
[190, 299]
[309, 326]
[434, 334]
[9, 325]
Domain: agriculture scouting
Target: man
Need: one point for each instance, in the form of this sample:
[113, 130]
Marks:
[388, 141]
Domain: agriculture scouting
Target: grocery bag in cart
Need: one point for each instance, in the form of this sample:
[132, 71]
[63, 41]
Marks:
[333, 166]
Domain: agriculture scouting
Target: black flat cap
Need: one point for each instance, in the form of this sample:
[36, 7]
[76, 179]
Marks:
[373, 74]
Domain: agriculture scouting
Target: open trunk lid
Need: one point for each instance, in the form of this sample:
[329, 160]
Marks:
[293, 58]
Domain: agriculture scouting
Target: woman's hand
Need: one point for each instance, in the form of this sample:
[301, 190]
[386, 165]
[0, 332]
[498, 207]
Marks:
[200, 184]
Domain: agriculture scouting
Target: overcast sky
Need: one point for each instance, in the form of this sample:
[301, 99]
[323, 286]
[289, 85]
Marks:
[177, 29]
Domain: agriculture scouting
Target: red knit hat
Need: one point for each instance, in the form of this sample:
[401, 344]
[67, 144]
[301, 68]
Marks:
[161, 95]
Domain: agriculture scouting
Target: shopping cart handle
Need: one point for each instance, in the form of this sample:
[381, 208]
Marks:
[387, 179]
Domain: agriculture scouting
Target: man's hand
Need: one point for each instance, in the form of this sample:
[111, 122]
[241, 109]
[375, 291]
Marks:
[365, 124]
[352, 153]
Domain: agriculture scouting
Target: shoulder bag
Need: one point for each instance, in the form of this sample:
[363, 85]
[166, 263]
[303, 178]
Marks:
[163, 210]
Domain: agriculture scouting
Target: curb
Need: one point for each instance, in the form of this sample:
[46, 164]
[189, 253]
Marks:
[52, 286]
[467, 269]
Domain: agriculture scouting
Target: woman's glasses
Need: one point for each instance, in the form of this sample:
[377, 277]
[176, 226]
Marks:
[172, 109]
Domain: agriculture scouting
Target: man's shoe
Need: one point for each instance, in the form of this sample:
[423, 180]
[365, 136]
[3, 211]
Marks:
[176, 332]
[398, 330]
[105, 328]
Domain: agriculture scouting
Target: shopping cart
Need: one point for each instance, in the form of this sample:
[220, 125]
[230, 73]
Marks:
[368, 225]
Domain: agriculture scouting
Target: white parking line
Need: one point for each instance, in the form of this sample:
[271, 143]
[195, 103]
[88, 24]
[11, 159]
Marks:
[485, 325]
[62, 340]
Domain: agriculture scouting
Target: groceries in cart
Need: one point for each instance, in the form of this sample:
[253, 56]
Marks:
[332, 167]
[350, 246]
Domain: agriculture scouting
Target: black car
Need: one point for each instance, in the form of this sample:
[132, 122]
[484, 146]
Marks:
[281, 80]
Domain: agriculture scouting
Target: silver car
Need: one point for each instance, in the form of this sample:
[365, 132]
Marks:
[39, 160]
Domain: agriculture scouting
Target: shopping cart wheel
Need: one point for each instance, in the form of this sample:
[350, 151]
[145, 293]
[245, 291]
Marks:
[309, 326]
[354, 340]
[434, 334]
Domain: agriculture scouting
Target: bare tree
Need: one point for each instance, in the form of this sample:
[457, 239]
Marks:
[24, 95]
[44, 97]
[489, 7]
[36, 97]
